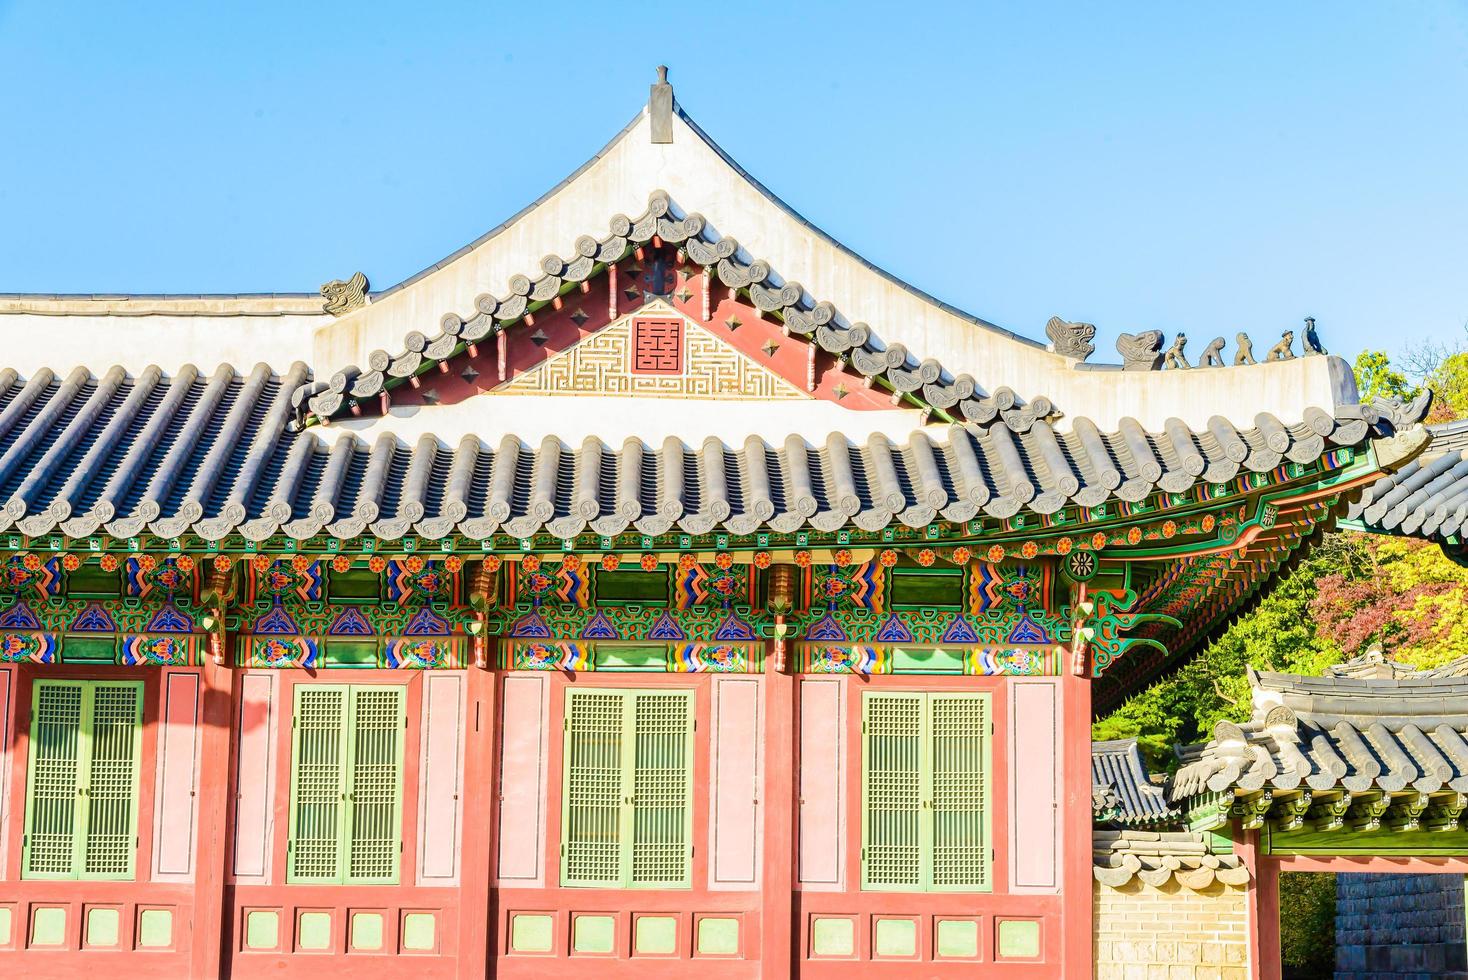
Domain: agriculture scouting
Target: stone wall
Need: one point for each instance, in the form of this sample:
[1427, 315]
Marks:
[1396, 925]
[1170, 932]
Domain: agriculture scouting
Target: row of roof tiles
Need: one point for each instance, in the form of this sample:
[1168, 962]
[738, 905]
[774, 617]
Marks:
[1339, 732]
[1122, 791]
[1429, 496]
[216, 454]
[1155, 858]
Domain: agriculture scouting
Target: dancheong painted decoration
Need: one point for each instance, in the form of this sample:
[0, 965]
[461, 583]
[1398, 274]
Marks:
[618, 597]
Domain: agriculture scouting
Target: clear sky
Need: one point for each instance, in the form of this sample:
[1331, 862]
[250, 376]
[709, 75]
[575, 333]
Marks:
[1179, 166]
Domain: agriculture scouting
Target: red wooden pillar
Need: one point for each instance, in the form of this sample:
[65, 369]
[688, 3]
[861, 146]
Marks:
[1265, 955]
[1077, 910]
[777, 916]
[215, 750]
[481, 810]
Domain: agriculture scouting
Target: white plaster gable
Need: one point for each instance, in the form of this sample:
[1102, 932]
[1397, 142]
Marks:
[698, 176]
[62, 332]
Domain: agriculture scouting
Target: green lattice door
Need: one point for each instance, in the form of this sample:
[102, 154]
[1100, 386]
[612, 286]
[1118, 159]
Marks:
[347, 784]
[925, 792]
[82, 780]
[626, 813]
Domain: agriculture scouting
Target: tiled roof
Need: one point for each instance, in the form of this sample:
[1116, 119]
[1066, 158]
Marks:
[217, 455]
[1324, 733]
[1118, 856]
[1426, 498]
[1122, 792]
[1375, 664]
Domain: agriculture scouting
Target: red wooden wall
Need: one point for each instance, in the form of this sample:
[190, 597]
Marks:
[776, 818]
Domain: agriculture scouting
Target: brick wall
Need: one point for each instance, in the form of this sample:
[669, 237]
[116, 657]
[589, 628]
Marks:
[1395, 925]
[1171, 932]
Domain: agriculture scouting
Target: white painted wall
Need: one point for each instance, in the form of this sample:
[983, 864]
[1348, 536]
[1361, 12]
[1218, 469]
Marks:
[61, 334]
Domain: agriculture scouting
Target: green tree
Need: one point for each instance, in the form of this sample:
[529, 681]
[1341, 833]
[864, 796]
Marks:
[1307, 925]
[1376, 378]
[1449, 384]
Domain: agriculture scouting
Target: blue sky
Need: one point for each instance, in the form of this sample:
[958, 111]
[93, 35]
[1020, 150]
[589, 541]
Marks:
[1206, 168]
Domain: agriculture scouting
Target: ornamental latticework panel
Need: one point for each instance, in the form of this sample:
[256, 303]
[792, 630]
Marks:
[690, 364]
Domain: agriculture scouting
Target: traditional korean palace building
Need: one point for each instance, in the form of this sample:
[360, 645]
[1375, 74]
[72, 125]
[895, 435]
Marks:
[651, 586]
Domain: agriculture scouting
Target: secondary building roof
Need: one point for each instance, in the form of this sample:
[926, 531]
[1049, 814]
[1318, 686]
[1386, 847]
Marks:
[1356, 734]
[1427, 498]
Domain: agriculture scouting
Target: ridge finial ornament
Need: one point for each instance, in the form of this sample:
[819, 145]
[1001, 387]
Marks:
[1281, 351]
[1212, 354]
[1175, 358]
[1140, 351]
[1310, 340]
[1245, 352]
[660, 108]
[344, 296]
[1071, 339]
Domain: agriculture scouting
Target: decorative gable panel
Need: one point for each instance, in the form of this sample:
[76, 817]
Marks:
[655, 352]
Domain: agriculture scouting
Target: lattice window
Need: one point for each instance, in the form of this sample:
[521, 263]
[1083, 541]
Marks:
[346, 784]
[627, 804]
[925, 792]
[82, 784]
[657, 346]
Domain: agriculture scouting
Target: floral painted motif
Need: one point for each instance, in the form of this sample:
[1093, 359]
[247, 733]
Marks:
[23, 574]
[419, 654]
[720, 658]
[157, 651]
[834, 659]
[283, 652]
[1020, 662]
[36, 648]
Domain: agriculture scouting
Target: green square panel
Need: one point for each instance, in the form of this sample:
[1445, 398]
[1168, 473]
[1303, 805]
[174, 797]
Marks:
[155, 928]
[419, 931]
[354, 585]
[89, 650]
[958, 939]
[313, 931]
[895, 937]
[631, 585]
[349, 653]
[611, 657]
[6, 918]
[48, 926]
[655, 935]
[832, 937]
[907, 660]
[531, 933]
[1019, 939]
[925, 587]
[367, 931]
[92, 582]
[593, 933]
[718, 936]
[102, 926]
[262, 929]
